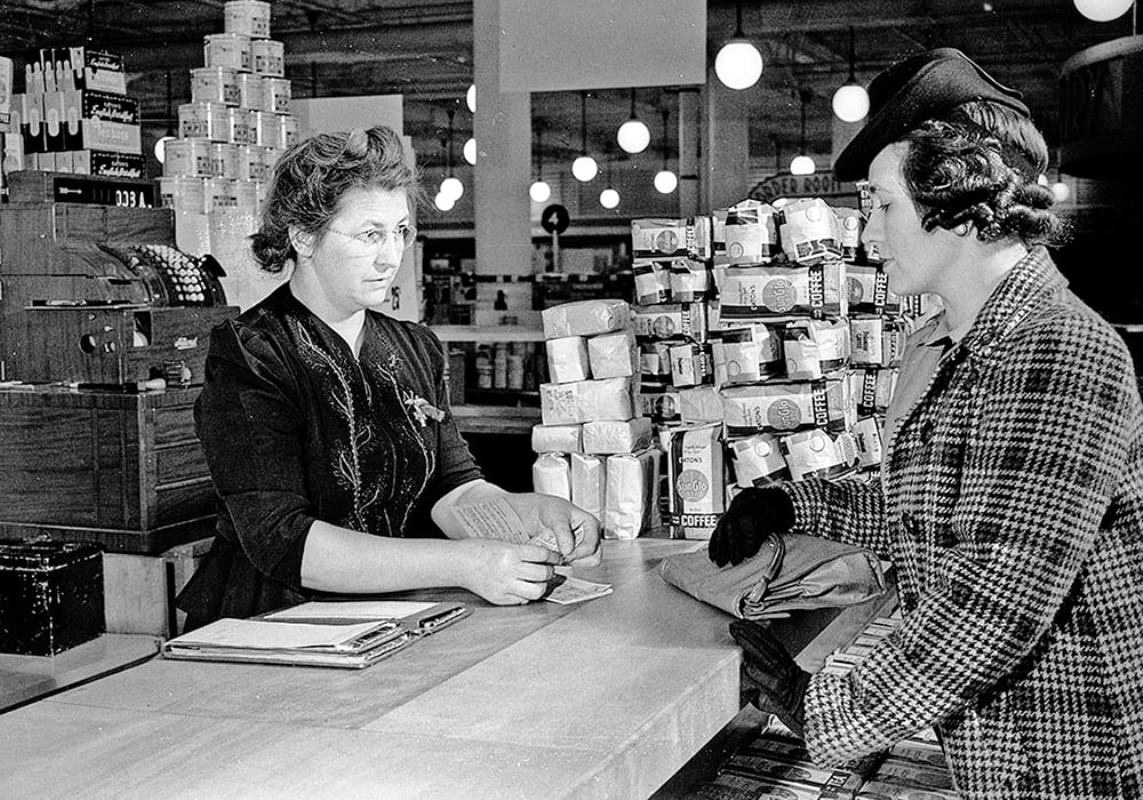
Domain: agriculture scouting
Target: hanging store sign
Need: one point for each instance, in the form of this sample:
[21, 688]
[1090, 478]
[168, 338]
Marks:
[820, 184]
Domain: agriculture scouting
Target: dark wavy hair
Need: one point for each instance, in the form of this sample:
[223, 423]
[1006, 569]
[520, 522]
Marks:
[311, 177]
[980, 165]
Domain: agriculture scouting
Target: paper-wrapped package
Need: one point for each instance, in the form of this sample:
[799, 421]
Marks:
[589, 483]
[700, 404]
[850, 226]
[751, 233]
[607, 436]
[567, 359]
[658, 238]
[632, 498]
[672, 321]
[691, 281]
[747, 354]
[613, 355]
[655, 359]
[691, 364]
[788, 406]
[697, 480]
[817, 290]
[867, 440]
[652, 280]
[809, 231]
[814, 348]
[758, 460]
[876, 342]
[868, 288]
[582, 401]
[551, 474]
[660, 403]
[557, 438]
[585, 318]
[818, 453]
[873, 388]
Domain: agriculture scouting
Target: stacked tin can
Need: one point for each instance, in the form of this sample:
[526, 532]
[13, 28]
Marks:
[237, 122]
[769, 347]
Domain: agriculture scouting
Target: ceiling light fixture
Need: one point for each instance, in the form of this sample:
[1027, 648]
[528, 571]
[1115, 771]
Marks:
[540, 191]
[633, 135]
[738, 64]
[470, 151]
[609, 198]
[851, 101]
[451, 186]
[802, 164]
[665, 181]
[584, 168]
[470, 97]
[1103, 10]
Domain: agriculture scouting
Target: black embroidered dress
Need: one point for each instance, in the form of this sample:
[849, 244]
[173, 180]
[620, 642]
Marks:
[296, 429]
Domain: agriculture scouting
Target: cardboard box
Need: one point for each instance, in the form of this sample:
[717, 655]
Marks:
[51, 596]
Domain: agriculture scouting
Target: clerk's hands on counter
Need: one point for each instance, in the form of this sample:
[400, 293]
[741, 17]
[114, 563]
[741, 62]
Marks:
[574, 531]
[506, 574]
[753, 515]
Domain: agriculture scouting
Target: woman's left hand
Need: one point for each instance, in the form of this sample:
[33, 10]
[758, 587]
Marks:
[575, 532]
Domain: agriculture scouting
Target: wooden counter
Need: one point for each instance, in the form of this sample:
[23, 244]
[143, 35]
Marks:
[606, 699]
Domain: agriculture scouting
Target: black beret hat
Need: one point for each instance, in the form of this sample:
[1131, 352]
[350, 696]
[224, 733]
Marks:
[921, 87]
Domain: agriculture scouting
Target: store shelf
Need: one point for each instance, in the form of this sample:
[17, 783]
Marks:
[488, 335]
[496, 419]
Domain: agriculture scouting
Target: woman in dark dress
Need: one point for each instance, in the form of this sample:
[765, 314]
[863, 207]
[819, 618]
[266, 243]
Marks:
[326, 424]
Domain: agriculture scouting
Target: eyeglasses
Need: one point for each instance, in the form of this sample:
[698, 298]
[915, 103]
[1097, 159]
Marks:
[375, 238]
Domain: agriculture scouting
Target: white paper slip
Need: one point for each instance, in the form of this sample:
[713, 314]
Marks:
[251, 634]
[349, 610]
[493, 519]
[576, 590]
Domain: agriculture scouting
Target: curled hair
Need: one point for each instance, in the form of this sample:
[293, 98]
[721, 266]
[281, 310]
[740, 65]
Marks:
[311, 177]
[980, 166]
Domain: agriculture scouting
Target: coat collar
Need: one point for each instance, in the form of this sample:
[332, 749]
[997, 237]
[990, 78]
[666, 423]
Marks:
[1033, 279]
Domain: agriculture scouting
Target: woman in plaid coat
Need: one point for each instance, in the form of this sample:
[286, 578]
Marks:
[1011, 495]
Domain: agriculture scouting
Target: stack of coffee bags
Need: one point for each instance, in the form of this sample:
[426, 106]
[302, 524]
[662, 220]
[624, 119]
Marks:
[230, 133]
[674, 287]
[593, 446]
[75, 116]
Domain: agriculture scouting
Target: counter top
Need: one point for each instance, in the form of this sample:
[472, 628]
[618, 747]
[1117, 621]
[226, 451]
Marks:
[605, 699]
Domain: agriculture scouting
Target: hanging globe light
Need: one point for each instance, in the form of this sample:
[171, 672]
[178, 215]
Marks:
[609, 198]
[1103, 10]
[802, 165]
[470, 150]
[738, 64]
[444, 202]
[633, 135]
[470, 98]
[851, 101]
[161, 147]
[452, 187]
[666, 181]
[540, 191]
[585, 169]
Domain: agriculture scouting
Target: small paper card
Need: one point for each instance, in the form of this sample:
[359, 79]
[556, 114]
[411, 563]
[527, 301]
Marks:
[568, 590]
[493, 519]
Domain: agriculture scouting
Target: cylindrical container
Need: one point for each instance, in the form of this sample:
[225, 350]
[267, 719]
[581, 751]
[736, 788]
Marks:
[260, 195]
[268, 57]
[483, 361]
[500, 366]
[247, 192]
[215, 85]
[224, 160]
[204, 120]
[227, 50]
[247, 17]
[251, 163]
[182, 194]
[237, 125]
[276, 94]
[288, 127]
[271, 155]
[515, 366]
[260, 130]
[220, 193]
[251, 92]
[189, 158]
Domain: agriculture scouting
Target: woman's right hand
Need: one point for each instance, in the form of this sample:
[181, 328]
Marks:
[506, 574]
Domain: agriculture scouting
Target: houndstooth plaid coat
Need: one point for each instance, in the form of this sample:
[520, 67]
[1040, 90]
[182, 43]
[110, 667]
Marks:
[1012, 507]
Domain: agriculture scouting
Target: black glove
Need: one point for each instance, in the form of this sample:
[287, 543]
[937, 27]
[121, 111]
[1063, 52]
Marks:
[768, 669]
[753, 515]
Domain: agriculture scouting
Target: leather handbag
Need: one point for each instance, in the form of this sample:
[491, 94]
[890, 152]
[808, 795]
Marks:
[791, 572]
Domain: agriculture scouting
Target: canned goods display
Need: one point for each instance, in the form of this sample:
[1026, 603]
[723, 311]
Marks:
[247, 17]
[268, 57]
[224, 160]
[276, 92]
[204, 120]
[220, 193]
[251, 92]
[238, 126]
[215, 85]
[289, 130]
[187, 158]
[182, 194]
[247, 193]
[227, 50]
[251, 163]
